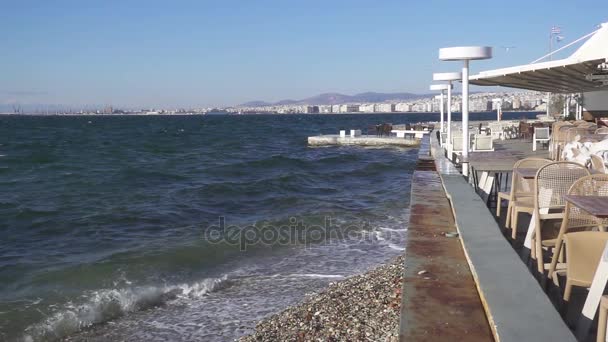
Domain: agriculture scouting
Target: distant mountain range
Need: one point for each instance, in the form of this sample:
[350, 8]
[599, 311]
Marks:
[337, 98]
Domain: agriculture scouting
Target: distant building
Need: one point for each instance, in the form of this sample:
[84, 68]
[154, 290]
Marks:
[516, 104]
[352, 108]
[326, 109]
[366, 108]
[384, 108]
[349, 108]
[310, 110]
[403, 107]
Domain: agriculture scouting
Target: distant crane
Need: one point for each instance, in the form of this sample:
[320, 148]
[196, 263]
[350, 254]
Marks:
[17, 109]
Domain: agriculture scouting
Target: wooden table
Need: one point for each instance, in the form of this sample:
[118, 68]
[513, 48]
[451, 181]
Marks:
[598, 207]
[594, 205]
[489, 172]
[526, 172]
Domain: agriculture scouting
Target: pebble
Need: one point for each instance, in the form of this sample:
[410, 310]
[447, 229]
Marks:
[360, 308]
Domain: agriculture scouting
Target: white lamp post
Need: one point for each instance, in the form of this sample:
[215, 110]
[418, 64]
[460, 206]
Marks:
[442, 88]
[465, 54]
[448, 77]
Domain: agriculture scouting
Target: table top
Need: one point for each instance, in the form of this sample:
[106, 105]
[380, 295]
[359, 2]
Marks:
[594, 205]
[526, 172]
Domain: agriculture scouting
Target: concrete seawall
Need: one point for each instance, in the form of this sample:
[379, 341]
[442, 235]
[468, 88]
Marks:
[440, 301]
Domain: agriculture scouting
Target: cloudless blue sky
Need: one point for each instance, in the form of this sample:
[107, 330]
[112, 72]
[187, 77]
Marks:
[224, 52]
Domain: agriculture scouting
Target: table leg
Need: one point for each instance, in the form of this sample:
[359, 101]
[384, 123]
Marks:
[525, 251]
[473, 175]
[488, 186]
[497, 186]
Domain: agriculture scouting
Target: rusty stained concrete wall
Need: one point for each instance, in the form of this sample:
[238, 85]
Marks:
[440, 301]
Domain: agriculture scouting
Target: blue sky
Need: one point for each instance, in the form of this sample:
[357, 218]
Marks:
[213, 53]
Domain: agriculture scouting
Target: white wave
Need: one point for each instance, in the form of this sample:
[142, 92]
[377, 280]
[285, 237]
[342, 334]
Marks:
[395, 247]
[393, 229]
[315, 275]
[107, 304]
[379, 236]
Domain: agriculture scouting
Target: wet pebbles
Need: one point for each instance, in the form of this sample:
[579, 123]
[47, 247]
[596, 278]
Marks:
[360, 308]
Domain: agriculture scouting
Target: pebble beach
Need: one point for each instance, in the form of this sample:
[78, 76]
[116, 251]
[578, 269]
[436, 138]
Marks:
[364, 307]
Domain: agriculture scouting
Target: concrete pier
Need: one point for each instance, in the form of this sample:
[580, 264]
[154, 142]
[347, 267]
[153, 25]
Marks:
[362, 140]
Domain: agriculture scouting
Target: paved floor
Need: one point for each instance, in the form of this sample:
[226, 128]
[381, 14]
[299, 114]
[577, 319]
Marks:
[515, 304]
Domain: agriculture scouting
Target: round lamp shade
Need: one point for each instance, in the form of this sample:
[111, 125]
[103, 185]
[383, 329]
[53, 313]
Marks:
[440, 86]
[460, 53]
[447, 76]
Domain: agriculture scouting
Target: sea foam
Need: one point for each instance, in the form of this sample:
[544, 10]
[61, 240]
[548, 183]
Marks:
[107, 304]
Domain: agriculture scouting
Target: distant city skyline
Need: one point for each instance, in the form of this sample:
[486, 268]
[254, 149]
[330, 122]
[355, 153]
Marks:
[223, 53]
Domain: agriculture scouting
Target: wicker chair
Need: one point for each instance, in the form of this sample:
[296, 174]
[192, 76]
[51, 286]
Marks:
[576, 219]
[521, 195]
[385, 129]
[573, 132]
[524, 130]
[373, 130]
[583, 253]
[601, 130]
[559, 140]
[552, 182]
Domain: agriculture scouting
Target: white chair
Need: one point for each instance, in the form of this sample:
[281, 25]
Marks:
[444, 138]
[541, 134]
[457, 143]
[483, 143]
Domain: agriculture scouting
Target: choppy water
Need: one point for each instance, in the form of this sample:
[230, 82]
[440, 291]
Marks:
[110, 226]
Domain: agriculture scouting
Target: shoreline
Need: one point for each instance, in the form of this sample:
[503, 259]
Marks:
[361, 307]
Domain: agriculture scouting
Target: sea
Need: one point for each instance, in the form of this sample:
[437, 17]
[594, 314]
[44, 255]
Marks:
[181, 228]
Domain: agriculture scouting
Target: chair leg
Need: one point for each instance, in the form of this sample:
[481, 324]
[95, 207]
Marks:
[539, 252]
[498, 205]
[515, 219]
[556, 256]
[509, 213]
[567, 290]
[513, 215]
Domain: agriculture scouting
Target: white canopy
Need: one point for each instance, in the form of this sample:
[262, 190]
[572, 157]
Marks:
[584, 71]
